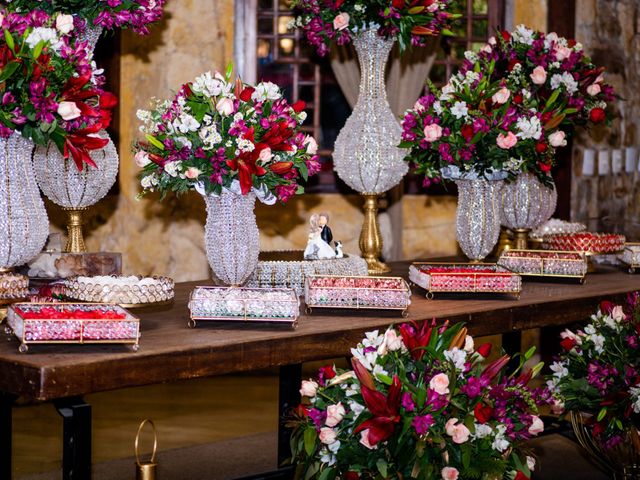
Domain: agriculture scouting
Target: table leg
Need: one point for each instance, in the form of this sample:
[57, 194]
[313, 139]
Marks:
[6, 432]
[289, 397]
[76, 454]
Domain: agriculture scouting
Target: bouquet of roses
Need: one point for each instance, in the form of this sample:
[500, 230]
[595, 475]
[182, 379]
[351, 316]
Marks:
[50, 88]
[598, 372]
[419, 403]
[327, 21]
[219, 134]
[109, 14]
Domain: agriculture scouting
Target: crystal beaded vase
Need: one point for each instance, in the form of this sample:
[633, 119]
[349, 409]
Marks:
[232, 238]
[526, 204]
[75, 190]
[23, 218]
[366, 153]
[478, 216]
[91, 35]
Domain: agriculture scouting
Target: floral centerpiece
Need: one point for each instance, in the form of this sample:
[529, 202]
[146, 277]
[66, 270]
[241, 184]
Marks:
[421, 402]
[227, 140]
[325, 22]
[51, 90]
[597, 378]
[108, 14]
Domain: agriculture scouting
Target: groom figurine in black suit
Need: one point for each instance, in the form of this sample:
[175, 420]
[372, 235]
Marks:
[325, 234]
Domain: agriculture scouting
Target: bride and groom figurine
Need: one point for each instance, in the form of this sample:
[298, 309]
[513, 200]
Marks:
[320, 238]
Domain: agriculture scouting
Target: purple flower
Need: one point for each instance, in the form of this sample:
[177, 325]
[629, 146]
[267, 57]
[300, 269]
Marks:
[422, 424]
[407, 402]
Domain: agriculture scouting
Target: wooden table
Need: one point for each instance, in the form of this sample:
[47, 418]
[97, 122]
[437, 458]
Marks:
[170, 351]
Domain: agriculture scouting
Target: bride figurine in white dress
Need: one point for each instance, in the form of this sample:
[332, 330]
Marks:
[317, 248]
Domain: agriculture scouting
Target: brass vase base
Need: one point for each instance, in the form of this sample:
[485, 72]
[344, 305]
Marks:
[521, 238]
[75, 239]
[370, 238]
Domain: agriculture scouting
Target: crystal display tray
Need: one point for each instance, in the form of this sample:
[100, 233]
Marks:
[630, 256]
[557, 226]
[289, 269]
[588, 242]
[357, 292]
[545, 263]
[129, 292]
[72, 323]
[237, 304]
[464, 278]
[13, 286]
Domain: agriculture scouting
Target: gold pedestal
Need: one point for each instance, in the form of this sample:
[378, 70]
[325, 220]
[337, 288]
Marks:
[504, 242]
[521, 238]
[75, 240]
[370, 238]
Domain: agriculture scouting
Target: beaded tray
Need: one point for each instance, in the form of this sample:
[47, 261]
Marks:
[464, 278]
[130, 292]
[545, 263]
[13, 286]
[588, 242]
[289, 269]
[236, 304]
[72, 323]
[357, 292]
[630, 256]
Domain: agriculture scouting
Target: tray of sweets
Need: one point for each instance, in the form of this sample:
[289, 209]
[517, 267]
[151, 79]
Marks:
[630, 256]
[588, 242]
[127, 291]
[357, 292]
[72, 323]
[545, 263]
[464, 278]
[238, 304]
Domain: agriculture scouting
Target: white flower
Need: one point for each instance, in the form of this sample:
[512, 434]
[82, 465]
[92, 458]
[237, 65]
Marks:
[590, 329]
[43, 34]
[437, 106]
[266, 91]
[172, 168]
[459, 110]
[565, 79]
[471, 76]
[446, 91]
[356, 408]
[471, 56]
[598, 343]
[64, 23]
[211, 86]
[246, 145]
[378, 371]
[468, 344]
[529, 128]
[635, 398]
[559, 370]
[185, 142]
[238, 116]
[149, 181]
[368, 360]
[500, 444]
[209, 136]
[523, 35]
[457, 357]
[513, 164]
[373, 339]
[482, 430]
[185, 123]
[531, 463]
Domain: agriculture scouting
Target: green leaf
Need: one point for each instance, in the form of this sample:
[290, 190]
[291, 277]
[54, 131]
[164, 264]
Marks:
[229, 71]
[310, 436]
[382, 467]
[447, 33]
[9, 39]
[155, 142]
[8, 70]
[328, 474]
[602, 414]
[38, 50]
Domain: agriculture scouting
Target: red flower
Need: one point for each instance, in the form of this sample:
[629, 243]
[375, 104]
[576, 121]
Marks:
[597, 115]
[568, 343]
[606, 307]
[328, 372]
[245, 95]
[277, 136]
[352, 476]
[494, 368]
[517, 99]
[484, 350]
[397, 4]
[506, 35]
[416, 339]
[545, 167]
[541, 147]
[467, 132]
[280, 168]
[384, 410]
[521, 476]
[483, 413]
[512, 63]
[299, 106]
[78, 144]
[246, 167]
[546, 116]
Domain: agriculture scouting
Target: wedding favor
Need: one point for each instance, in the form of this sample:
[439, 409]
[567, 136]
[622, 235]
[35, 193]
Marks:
[545, 263]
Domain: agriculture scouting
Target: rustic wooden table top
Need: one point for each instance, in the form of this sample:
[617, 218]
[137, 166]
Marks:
[171, 351]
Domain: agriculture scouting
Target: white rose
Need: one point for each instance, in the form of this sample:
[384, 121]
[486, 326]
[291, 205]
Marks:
[557, 139]
[537, 426]
[309, 388]
[312, 145]
[501, 96]
[142, 159]
[225, 106]
[64, 24]
[68, 110]
[468, 344]
[618, 314]
[393, 341]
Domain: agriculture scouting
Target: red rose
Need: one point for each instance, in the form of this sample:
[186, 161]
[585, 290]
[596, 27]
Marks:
[597, 115]
[299, 106]
[541, 147]
[483, 413]
[328, 372]
[568, 344]
[506, 35]
[484, 350]
[517, 99]
[467, 132]
[245, 95]
[545, 167]
[521, 476]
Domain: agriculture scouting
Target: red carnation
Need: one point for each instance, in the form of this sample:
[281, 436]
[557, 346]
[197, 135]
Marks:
[484, 350]
[483, 413]
[597, 115]
[467, 132]
[245, 95]
[541, 147]
[568, 344]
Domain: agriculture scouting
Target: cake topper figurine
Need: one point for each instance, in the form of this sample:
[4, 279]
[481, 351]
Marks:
[320, 237]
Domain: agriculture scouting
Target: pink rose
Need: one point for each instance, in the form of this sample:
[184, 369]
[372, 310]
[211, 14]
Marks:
[64, 24]
[594, 89]
[537, 426]
[265, 154]
[501, 96]
[432, 132]
[492, 41]
[459, 433]
[618, 314]
[192, 173]
[539, 75]
[450, 426]
[142, 159]
[312, 145]
[557, 139]
[562, 53]
[335, 414]
[328, 436]
[309, 388]
[468, 344]
[506, 141]
[393, 341]
[364, 440]
[68, 110]
[225, 106]
[440, 384]
[450, 473]
[341, 21]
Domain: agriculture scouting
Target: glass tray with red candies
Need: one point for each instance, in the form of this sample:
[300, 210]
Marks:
[72, 323]
[357, 292]
[464, 278]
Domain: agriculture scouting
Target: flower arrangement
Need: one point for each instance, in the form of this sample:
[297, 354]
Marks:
[509, 107]
[419, 403]
[325, 22]
[108, 14]
[51, 90]
[598, 372]
[218, 134]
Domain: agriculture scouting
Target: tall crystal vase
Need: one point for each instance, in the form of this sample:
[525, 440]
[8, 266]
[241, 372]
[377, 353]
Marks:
[232, 238]
[366, 153]
[76, 190]
[478, 216]
[526, 204]
[23, 218]
[91, 35]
